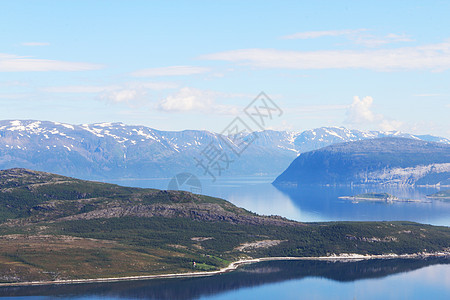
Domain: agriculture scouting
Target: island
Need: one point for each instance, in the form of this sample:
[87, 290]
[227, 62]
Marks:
[441, 195]
[379, 197]
[56, 229]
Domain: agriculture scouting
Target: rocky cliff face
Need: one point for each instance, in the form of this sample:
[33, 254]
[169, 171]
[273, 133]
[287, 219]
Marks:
[195, 211]
[391, 161]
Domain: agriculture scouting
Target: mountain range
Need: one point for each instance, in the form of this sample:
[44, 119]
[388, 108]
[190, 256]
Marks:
[116, 150]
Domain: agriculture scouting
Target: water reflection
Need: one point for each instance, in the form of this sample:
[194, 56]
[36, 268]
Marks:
[325, 200]
[318, 203]
[249, 276]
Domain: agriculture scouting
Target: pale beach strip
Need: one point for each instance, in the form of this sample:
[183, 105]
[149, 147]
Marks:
[231, 267]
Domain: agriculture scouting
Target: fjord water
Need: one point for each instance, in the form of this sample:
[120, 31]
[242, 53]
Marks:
[373, 279]
[318, 203]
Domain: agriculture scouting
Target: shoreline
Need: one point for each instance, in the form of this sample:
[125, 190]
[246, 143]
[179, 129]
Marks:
[231, 267]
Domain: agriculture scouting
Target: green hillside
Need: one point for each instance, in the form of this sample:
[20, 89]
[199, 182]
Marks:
[54, 227]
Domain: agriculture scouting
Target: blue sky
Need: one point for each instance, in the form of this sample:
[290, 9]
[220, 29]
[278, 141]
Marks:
[173, 65]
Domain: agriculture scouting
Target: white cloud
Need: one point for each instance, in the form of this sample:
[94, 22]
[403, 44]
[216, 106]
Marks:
[34, 44]
[123, 95]
[134, 94]
[434, 56]
[318, 34]
[98, 88]
[15, 63]
[195, 100]
[390, 125]
[360, 114]
[131, 93]
[170, 71]
[360, 111]
[78, 89]
[373, 41]
[156, 86]
[358, 36]
[399, 37]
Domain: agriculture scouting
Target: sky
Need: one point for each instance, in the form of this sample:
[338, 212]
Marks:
[175, 65]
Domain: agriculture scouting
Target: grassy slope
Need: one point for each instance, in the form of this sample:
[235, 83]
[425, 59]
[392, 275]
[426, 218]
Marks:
[36, 244]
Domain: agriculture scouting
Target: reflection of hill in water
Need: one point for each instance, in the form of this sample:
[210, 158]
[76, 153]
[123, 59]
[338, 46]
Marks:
[324, 202]
[248, 276]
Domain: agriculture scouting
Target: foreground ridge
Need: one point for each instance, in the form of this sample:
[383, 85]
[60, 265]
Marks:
[59, 229]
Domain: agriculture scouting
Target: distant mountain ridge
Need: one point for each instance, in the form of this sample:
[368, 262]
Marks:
[116, 150]
[388, 160]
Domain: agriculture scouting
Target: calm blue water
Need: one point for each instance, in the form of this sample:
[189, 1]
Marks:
[375, 279]
[310, 204]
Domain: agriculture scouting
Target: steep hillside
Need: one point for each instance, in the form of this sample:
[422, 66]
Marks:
[398, 161]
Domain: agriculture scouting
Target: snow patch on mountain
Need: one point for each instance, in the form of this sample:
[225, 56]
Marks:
[402, 176]
[99, 150]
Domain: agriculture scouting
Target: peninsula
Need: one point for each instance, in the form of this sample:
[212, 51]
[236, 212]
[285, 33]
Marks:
[60, 229]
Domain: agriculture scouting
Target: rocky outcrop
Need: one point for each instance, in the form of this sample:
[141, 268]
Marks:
[201, 212]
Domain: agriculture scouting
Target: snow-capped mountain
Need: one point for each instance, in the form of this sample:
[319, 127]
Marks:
[321, 137]
[116, 150]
